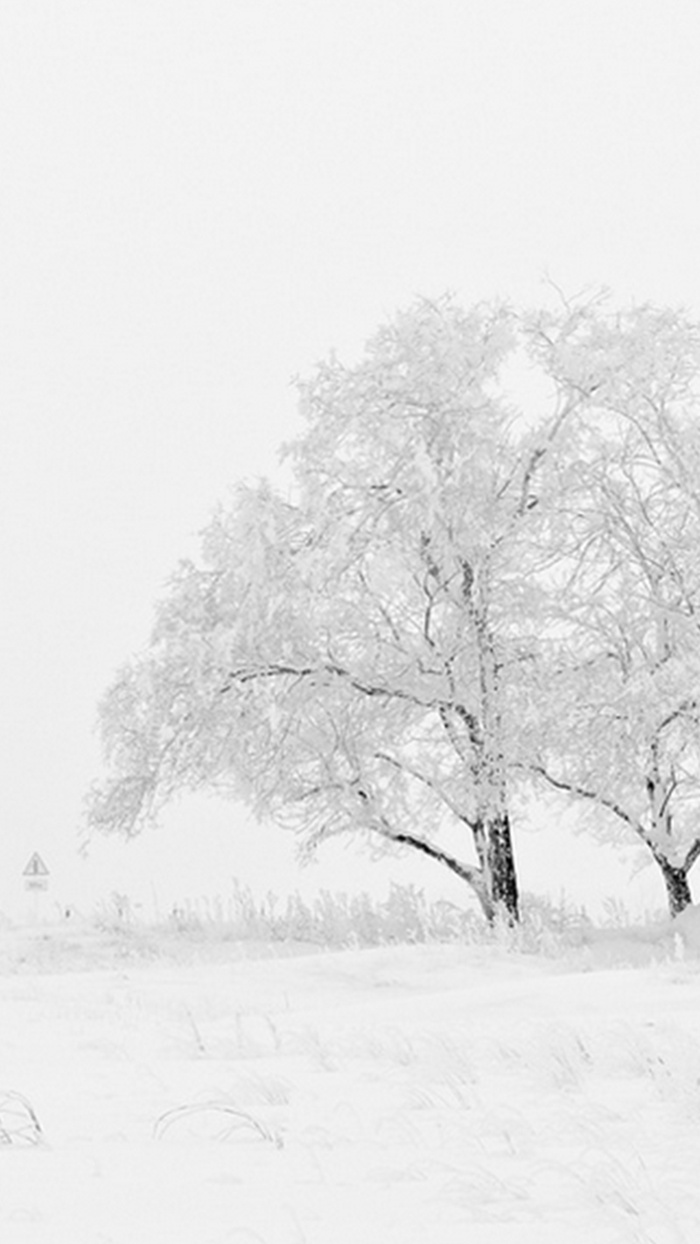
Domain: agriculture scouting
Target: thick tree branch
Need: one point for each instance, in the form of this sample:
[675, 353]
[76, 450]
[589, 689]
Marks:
[379, 824]
[472, 875]
[427, 781]
[692, 855]
[471, 722]
[583, 792]
[275, 670]
[452, 735]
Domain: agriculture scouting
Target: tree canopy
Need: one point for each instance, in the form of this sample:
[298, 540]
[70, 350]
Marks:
[456, 598]
[620, 713]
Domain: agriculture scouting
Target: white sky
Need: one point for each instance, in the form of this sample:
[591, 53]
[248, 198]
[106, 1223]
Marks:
[198, 200]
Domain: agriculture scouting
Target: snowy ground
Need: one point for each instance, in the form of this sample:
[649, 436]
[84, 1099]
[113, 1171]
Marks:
[440, 1094]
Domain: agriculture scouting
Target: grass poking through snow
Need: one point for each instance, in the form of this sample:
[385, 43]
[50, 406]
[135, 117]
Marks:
[511, 1088]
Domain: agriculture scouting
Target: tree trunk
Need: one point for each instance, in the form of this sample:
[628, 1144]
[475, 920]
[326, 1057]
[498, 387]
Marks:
[677, 886]
[504, 882]
[490, 767]
[675, 875]
[492, 776]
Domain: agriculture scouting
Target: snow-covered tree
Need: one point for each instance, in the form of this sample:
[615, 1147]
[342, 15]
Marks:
[616, 723]
[352, 660]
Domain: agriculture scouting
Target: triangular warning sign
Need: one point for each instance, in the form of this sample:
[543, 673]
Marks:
[36, 867]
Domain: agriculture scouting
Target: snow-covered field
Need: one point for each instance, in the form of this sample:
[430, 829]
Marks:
[431, 1093]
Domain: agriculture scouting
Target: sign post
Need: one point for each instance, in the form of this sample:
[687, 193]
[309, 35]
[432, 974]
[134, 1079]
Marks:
[36, 881]
[36, 874]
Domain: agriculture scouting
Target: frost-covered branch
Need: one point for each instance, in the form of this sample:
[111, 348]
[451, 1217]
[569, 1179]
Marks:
[692, 855]
[282, 670]
[588, 793]
[426, 780]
